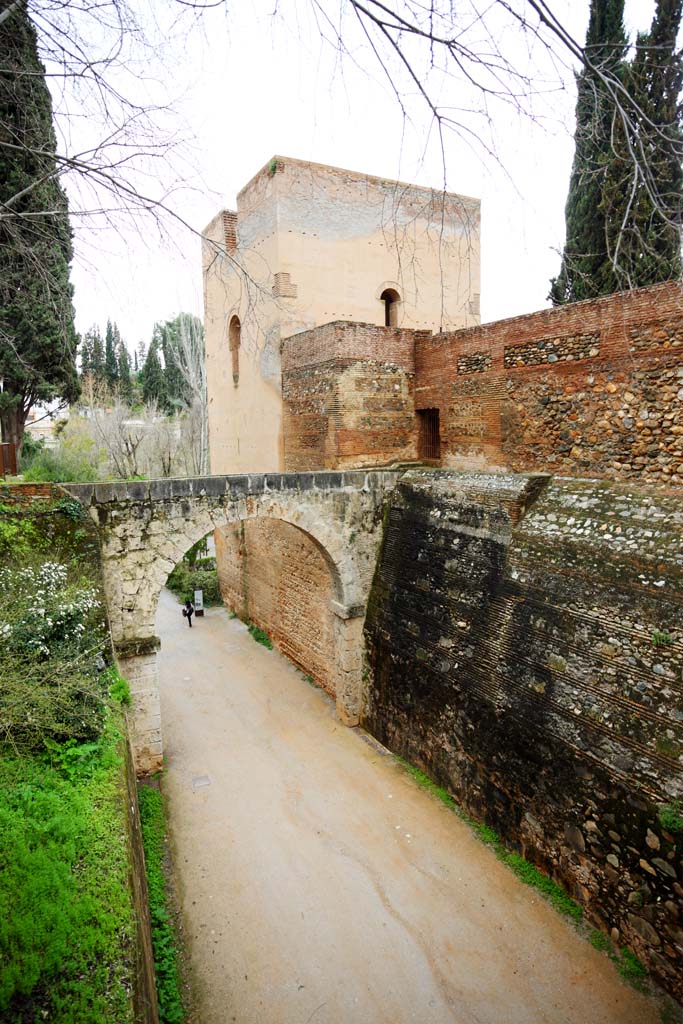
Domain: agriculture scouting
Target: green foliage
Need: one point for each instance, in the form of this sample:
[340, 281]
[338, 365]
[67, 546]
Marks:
[599, 941]
[163, 933]
[631, 969]
[152, 378]
[51, 631]
[671, 816]
[112, 339]
[272, 168]
[67, 927]
[259, 635]
[38, 351]
[183, 581]
[30, 449]
[60, 465]
[525, 871]
[119, 691]
[624, 204]
[660, 638]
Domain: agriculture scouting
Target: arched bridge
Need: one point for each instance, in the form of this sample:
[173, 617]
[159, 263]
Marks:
[146, 527]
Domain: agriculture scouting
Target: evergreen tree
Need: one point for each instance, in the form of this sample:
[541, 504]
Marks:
[112, 339]
[585, 263]
[97, 357]
[85, 347]
[37, 337]
[152, 374]
[177, 394]
[125, 382]
[642, 201]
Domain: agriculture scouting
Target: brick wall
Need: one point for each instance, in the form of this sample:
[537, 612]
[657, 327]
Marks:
[273, 574]
[590, 389]
[348, 396]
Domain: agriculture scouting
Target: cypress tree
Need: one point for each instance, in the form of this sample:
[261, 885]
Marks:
[642, 201]
[37, 337]
[125, 382]
[111, 342]
[152, 374]
[585, 264]
[97, 357]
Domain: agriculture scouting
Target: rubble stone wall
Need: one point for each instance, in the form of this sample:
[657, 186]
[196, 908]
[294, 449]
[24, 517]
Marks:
[524, 639]
[594, 388]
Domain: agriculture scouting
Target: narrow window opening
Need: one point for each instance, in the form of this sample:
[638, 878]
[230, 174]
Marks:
[429, 437]
[391, 299]
[234, 332]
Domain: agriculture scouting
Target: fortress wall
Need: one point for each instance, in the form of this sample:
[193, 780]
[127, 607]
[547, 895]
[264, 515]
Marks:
[274, 575]
[348, 396]
[525, 648]
[594, 388]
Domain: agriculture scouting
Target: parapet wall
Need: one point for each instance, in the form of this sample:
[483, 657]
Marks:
[594, 388]
[590, 389]
[525, 645]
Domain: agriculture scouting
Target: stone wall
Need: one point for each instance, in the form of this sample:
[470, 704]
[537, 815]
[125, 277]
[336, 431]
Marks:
[525, 647]
[348, 396]
[590, 389]
[277, 577]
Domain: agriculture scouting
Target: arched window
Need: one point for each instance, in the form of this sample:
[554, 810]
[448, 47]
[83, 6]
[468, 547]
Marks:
[234, 339]
[391, 299]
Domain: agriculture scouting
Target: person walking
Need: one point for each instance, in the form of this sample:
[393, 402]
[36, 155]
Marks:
[188, 612]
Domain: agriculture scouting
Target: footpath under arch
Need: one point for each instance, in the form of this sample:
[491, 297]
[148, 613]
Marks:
[145, 528]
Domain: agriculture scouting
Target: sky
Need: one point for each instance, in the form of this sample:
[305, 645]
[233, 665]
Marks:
[246, 84]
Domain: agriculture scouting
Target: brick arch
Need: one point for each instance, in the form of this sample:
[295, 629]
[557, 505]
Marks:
[338, 558]
[145, 528]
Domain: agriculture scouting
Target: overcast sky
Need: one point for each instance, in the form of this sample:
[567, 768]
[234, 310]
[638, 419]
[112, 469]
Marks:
[247, 85]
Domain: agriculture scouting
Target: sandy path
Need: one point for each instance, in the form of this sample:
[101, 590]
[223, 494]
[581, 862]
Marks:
[319, 885]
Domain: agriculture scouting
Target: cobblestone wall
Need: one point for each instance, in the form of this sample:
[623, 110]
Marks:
[525, 646]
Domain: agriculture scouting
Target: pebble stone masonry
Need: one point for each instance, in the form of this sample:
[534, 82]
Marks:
[145, 528]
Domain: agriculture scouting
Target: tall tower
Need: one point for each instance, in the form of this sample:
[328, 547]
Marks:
[309, 245]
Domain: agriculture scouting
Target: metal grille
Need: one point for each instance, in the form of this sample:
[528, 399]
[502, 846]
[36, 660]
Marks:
[429, 439]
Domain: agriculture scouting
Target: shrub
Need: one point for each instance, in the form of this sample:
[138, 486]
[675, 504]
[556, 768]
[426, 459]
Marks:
[59, 465]
[183, 581]
[50, 634]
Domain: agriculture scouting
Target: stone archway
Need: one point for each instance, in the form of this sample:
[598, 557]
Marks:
[146, 528]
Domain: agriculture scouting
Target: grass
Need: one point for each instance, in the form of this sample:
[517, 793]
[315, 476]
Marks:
[671, 816]
[627, 963]
[260, 635]
[164, 941]
[67, 927]
[525, 871]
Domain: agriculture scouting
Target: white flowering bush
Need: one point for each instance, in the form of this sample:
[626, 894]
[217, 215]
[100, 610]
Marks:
[51, 632]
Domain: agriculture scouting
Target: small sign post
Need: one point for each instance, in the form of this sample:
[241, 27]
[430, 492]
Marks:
[199, 602]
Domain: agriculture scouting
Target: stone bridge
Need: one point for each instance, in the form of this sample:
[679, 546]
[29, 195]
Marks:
[145, 529]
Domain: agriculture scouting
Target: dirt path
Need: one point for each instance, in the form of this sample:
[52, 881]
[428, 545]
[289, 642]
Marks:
[319, 885]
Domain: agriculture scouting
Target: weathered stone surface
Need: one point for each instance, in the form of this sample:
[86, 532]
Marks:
[510, 642]
[145, 528]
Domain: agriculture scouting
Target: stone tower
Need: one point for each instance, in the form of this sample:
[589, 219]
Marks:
[309, 245]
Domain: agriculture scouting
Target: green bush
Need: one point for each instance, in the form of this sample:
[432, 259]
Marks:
[58, 466]
[51, 632]
[183, 581]
[67, 928]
